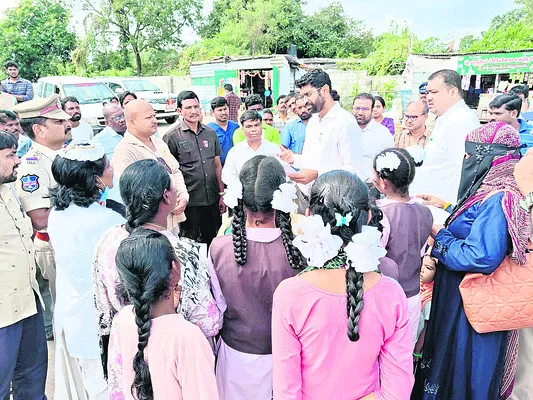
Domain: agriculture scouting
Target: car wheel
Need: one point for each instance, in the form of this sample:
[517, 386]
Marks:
[171, 120]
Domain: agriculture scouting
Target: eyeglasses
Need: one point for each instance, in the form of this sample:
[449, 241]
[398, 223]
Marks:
[412, 117]
[310, 92]
[117, 118]
[363, 109]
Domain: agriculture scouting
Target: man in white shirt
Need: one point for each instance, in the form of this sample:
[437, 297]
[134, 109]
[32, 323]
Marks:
[440, 173]
[80, 130]
[254, 145]
[375, 137]
[332, 137]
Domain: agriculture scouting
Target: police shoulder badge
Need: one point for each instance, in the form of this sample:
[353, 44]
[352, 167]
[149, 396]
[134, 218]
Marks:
[30, 183]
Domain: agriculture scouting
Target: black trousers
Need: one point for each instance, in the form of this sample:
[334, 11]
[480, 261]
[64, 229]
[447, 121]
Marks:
[202, 223]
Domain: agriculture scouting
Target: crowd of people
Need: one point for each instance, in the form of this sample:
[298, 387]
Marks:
[303, 252]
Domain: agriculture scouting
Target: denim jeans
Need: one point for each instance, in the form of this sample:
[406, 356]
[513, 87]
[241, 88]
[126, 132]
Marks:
[24, 358]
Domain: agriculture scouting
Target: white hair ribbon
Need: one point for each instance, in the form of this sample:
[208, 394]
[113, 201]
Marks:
[388, 160]
[233, 193]
[83, 151]
[283, 198]
[364, 250]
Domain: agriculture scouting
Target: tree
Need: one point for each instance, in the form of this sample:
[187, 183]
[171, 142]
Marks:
[331, 33]
[390, 52]
[144, 24]
[35, 35]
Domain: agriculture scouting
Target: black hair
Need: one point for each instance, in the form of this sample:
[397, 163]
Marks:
[524, 89]
[335, 95]
[281, 97]
[381, 100]
[123, 95]
[365, 96]
[401, 177]
[250, 115]
[218, 102]
[342, 192]
[65, 100]
[27, 124]
[186, 95]
[261, 176]
[268, 111]
[76, 181]
[3, 118]
[113, 98]
[144, 263]
[510, 101]
[9, 64]
[7, 141]
[142, 185]
[450, 78]
[228, 87]
[252, 100]
[9, 114]
[316, 78]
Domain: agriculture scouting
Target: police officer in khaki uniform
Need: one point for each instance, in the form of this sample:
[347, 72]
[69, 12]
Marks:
[48, 126]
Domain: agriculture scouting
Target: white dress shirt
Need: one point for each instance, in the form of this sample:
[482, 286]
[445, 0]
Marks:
[333, 142]
[74, 233]
[374, 139]
[82, 132]
[440, 174]
[242, 152]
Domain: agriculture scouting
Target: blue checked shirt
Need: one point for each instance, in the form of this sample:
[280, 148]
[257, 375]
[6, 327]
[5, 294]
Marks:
[21, 87]
[293, 136]
[525, 135]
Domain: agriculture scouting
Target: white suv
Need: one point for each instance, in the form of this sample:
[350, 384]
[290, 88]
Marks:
[164, 104]
[90, 93]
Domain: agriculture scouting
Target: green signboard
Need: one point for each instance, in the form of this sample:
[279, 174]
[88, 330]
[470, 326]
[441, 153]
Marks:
[489, 64]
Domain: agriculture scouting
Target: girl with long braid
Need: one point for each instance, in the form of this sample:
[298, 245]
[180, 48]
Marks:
[246, 268]
[150, 196]
[340, 329]
[154, 352]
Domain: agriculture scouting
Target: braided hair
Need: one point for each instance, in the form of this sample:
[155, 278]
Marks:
[401, 177]
[142, 186]
[144, 262]
[261, 176]
[342, 192]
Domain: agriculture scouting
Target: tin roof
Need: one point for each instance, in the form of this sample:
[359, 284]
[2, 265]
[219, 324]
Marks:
[471, 53]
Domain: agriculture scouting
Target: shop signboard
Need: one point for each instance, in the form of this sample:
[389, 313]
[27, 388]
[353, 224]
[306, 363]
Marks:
[491, 64]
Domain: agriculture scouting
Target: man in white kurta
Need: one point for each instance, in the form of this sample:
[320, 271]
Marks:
[440, 173]
[332, 137]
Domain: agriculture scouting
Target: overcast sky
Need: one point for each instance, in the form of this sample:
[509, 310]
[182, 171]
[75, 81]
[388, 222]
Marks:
[446, 19]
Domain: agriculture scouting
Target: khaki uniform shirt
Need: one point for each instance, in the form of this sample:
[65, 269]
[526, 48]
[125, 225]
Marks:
[131, 149]
[35, 177]
[17, 260]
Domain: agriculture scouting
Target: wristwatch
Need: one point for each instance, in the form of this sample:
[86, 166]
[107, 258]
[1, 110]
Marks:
[527, 203]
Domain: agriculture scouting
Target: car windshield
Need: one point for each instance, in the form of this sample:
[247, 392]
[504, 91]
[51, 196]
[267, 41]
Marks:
[140, 85]
[89, 93]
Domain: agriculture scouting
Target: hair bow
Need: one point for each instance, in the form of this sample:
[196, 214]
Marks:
[233, 193]
[418, 153]
[389, 160]
[343, 220]
[316, 243]
[364, 250]
[283, 198]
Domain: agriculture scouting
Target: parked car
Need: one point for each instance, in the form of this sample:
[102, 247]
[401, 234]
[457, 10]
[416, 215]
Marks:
[90, 93]
[164, 104]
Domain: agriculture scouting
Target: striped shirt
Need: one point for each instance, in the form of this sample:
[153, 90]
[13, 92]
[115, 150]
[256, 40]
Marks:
[21, 87]
[404, 139]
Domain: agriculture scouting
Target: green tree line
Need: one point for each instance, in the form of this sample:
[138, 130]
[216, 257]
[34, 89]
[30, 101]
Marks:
[127, 37]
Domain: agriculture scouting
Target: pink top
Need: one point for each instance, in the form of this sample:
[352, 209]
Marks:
[313, 357]
[179, 357]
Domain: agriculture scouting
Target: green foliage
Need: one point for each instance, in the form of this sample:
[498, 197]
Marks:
[390, 54]
[35, 34]
[331, 33]
[143, 24]
[512, 30]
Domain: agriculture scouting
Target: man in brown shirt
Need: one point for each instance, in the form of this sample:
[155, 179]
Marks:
[234, 102]
[415, 132]
[23, 351]
[197, 149]
[139, 143]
